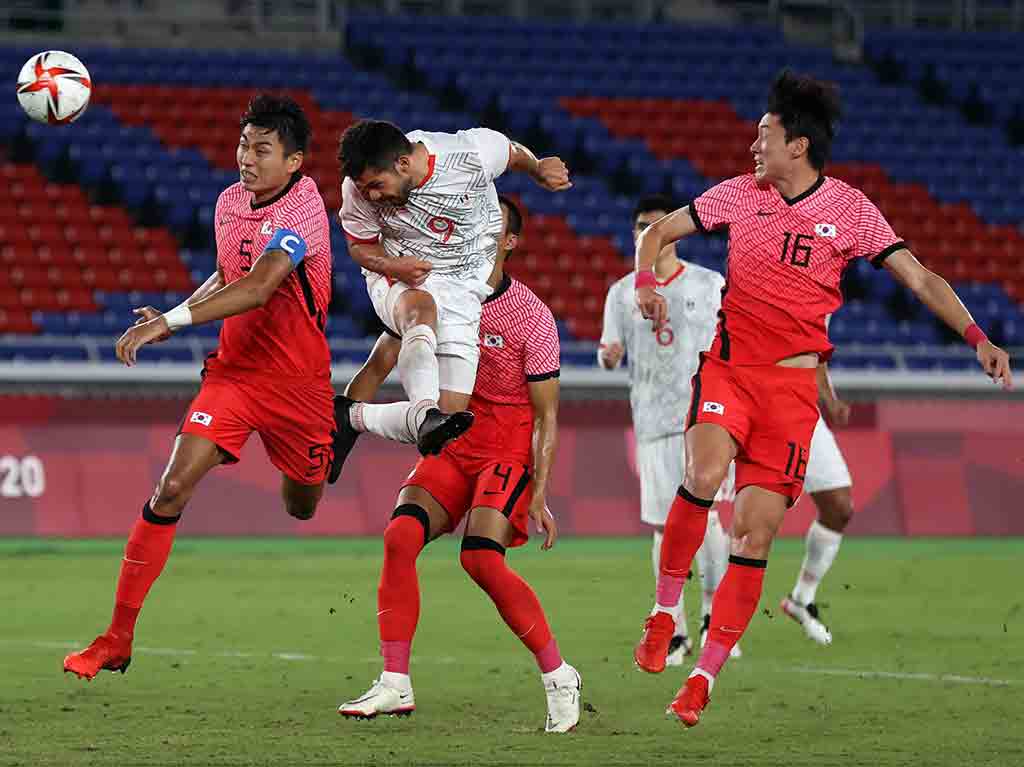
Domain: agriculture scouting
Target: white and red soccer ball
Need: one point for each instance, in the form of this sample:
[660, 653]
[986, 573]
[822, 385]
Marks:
[54, 87]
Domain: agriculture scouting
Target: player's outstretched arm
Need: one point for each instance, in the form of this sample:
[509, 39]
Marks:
[364, 384]
[544, 398]
[652, 241]
[937, 295]
[213, 283]
[549, 172]
[249, 292]
[372, 256]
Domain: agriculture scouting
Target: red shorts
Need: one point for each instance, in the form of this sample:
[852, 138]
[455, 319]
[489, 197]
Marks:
[460, 484]
[769, 410]
[294, 420]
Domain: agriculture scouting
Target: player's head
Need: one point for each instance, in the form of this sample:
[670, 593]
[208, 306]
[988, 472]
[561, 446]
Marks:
[511, 226]
[798, 126]
[648, 210]
[377, 156]
[275, 136]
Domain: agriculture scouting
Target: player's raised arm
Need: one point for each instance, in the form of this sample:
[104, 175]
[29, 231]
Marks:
[654, 238]
[549, 172]
[937, 295]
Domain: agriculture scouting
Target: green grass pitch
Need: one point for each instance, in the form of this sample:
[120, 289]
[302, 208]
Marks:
[246, 647]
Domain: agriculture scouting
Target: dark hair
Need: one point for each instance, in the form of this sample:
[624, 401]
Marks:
[654, 202]
[281, 114]
[372, 144]
[807, 108]
[515, 216]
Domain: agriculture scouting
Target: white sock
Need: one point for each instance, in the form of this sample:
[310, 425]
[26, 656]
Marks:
[395, 421]
[417, 365]
[678, 612]
[706, 674]
[398, 681]
[549, 676]
[712, 559]
[417, 368]
[822, 547]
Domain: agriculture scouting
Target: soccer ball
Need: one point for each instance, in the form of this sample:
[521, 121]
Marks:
[54, 87]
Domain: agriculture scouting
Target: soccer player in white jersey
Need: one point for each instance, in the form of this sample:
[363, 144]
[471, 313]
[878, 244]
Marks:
[661, 366]
[421, 215]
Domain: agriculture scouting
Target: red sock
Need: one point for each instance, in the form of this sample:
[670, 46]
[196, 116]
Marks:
[732, 609]
[518, 605]
[398, 595]
[684, 533]
[145, 555]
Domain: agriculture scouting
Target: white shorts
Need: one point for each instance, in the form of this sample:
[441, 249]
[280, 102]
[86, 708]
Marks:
[661, 464]
[826, 467]
[459, 302]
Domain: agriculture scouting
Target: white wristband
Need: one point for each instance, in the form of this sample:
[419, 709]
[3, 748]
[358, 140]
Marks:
[178, 317]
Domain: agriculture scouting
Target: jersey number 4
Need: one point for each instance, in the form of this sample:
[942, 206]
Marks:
[800, 252]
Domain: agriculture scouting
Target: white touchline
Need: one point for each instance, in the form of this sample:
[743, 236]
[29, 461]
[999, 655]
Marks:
[906, 675]
[448, 660]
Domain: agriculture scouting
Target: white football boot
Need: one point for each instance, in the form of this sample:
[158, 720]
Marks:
[735, 652]
[807, 616]
[382, 698]
[562, 688]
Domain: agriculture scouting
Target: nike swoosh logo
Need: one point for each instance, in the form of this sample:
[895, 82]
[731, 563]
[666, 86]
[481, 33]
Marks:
[492, 492]
[763, 213]
[724, 630]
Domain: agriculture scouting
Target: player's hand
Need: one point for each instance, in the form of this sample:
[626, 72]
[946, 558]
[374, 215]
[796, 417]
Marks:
[611, 355]
[838, 412]
[410, 270]
[147, 313]
[552, 174]
[996, 363]
[138, 336]
[544, 521]
[652, 306]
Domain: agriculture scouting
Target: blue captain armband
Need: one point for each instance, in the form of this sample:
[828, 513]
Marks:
[290, 242]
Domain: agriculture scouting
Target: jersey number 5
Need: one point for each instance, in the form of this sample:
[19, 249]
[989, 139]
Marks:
[245, 253]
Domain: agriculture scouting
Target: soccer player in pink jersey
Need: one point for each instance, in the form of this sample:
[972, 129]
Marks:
[496, 474]
[271, 372]
[792, 231]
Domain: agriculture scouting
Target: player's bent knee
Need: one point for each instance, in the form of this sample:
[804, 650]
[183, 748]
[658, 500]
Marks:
[704, 481]
[398, 539]
[477, 557]
[172, 492]
[300, 509]
[836, 511]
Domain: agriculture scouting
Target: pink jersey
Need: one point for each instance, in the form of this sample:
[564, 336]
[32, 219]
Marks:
[285, 337]
[518, 345]
[786, 258]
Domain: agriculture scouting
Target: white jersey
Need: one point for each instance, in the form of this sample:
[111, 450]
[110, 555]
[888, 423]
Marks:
[661, 365]
[452, 219]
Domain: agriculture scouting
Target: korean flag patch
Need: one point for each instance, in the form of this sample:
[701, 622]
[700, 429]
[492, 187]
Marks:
[825, 230]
